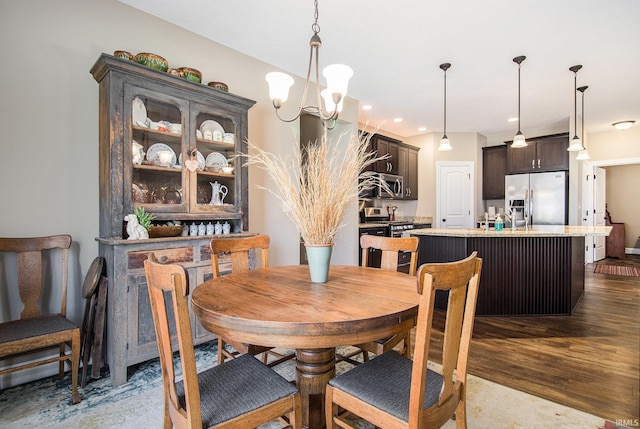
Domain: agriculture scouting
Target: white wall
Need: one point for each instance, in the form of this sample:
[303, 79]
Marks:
[49, 122]
[619, 152]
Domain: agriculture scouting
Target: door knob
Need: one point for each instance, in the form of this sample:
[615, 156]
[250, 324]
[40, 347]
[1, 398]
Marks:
[444, 220]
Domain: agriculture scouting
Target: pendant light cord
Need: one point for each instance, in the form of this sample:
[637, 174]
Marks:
[519, 60]
[445, 102]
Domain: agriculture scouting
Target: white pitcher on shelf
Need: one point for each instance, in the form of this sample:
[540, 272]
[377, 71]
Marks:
[218, 192]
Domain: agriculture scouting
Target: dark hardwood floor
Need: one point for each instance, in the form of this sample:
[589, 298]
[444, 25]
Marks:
[588, 361]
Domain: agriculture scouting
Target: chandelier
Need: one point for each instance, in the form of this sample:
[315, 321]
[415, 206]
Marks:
[337, 76]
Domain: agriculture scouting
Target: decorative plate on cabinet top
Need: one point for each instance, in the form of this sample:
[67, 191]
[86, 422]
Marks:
[138, 112]
[152, 152]
[211, 126]
[199, 157]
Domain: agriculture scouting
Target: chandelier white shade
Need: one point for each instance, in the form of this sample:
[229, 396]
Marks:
[337, 76]
[329, 103]
[279, 85]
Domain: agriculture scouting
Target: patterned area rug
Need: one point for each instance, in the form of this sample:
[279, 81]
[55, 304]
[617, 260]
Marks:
[617, 270]
[629, 266]
[138, 404]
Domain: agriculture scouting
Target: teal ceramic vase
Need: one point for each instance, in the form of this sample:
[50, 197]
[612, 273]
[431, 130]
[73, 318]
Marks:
[319, 259]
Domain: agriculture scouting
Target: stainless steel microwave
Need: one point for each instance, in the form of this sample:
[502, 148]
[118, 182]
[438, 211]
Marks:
[394, 184]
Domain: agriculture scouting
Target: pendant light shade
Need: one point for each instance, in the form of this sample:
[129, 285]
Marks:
[444, 141]
[583, 155]
[576, 143]
[518, 139]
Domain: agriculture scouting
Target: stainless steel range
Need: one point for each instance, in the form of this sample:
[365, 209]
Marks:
[377, 215]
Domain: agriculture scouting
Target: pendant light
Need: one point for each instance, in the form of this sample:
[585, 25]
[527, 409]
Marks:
[518, 139]
[576, 144]
[583, 155]
[444, 141]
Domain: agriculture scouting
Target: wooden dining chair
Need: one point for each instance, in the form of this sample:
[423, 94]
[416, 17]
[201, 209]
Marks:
[390, 246]
[242, 392]
[239, 249]
[391, 391]
[39, 327]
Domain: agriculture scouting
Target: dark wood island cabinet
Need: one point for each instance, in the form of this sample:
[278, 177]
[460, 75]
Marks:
[535, 272]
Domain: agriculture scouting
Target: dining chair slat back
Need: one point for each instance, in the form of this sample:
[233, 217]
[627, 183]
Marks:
[401, 393]
[390, 246]
[240, 249]
[198, 400]
[37, 327]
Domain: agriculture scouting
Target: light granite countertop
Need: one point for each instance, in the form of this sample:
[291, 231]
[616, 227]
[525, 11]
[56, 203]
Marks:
[535, 231]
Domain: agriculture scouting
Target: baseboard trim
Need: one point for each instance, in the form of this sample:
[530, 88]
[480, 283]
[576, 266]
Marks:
[632, 251]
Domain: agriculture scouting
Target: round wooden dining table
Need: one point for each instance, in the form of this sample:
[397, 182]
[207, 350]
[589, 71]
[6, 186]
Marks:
[281, 307]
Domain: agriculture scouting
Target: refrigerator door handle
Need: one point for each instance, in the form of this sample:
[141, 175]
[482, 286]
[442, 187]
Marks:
[530, 204]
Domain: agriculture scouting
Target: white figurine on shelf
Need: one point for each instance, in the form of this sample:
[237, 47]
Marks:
[134, 229]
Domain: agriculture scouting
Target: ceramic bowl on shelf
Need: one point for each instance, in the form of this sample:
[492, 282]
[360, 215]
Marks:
[175, 128]
[152, 60]
[156, 231]
[191, 74]
[219, 85]
[227, 169]
[124, 55]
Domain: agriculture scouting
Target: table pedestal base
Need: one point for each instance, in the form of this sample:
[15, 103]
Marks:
[314, 369]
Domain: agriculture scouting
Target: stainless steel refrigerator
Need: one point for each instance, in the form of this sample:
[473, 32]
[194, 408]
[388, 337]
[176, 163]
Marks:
[543, 197]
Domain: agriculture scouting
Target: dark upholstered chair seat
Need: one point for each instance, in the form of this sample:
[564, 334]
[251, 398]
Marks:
[385, 382]
[17, 330]
[240, 385]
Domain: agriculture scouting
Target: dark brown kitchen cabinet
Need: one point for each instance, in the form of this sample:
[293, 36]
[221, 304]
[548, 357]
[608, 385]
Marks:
[383, 146]
[548, 153]
[494, 168]
[408, 169]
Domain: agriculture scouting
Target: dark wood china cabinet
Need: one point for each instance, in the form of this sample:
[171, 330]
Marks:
[143, 112]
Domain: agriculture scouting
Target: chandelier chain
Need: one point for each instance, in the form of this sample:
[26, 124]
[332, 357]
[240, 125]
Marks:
[315, 26]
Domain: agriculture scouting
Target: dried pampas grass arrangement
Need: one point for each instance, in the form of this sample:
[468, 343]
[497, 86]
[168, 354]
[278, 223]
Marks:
[318, 183]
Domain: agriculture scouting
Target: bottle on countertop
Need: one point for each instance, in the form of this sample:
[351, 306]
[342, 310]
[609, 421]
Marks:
[499, 224]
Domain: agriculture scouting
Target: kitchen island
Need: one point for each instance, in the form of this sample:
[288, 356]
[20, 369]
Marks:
[535, 272]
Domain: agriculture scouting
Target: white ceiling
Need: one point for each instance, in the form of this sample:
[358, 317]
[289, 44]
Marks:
[395, 49]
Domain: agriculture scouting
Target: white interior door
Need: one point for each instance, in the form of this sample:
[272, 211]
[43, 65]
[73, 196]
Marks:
[599, 198]
[588, 218]
[455, 195]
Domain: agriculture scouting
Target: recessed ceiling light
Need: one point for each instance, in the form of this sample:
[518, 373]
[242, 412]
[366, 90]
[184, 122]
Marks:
[623, 125]
[397, 119]
[512, 119]
[367, 107]
[422, 129]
